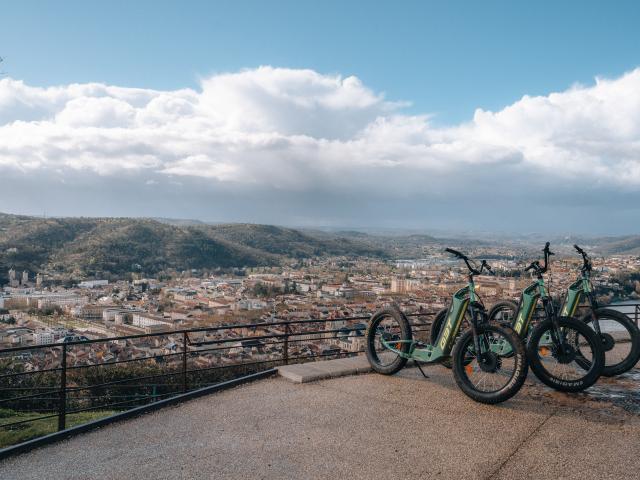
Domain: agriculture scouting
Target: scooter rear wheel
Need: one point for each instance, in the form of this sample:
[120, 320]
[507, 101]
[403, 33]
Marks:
[391, 325]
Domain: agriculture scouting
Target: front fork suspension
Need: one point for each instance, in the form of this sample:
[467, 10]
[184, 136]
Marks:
[557, 335]
[593, 305]
[476, 337]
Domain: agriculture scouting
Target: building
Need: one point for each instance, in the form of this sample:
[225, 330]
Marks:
[347, 292]
[109, 314]
[123, 317]
[489, 288]
[16, 336]
[43, 301]
[404, 285]
[331, 290]
[44, 338]
[249, 304]
[119, 316]
[13, 280]
[93, 283]
[25, 277]
[184, 295]
[90, 312]
[302, 287]
[150, 322]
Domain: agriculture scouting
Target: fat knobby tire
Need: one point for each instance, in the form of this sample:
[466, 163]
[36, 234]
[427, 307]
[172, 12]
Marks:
[632, 358]
[557, 383]
[405, 334]
[520, 371]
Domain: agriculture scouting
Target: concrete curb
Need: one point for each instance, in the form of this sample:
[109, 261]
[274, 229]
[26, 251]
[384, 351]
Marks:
[313, 371]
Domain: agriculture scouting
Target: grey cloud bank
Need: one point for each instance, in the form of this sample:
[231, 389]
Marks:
[296, 147]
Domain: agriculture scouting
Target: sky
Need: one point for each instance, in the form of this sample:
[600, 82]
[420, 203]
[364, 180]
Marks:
[495, 116]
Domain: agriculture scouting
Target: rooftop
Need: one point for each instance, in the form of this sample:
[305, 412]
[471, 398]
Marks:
[363, 426]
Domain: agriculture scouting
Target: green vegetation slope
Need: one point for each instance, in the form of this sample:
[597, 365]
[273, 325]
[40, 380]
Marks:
[114, 246]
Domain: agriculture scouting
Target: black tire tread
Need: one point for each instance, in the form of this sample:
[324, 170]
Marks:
[508, 390]
[542, 374]
[500, 306]
[405, 330]
[634, 354]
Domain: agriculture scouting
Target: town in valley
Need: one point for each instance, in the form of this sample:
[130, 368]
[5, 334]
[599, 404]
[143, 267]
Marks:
[36, 309]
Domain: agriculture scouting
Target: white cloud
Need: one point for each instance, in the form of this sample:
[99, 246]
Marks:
[99, 112]
[299, 130]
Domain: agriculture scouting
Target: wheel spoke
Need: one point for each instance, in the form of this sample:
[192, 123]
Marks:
[496, 371]
[571, 366]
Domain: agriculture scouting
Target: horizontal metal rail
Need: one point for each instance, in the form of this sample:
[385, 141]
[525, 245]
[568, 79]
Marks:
[8, 375]
[182, 331]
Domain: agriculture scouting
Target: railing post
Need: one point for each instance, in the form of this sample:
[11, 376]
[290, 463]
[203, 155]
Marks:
[637, 314]
[285, 349]
[62, 406]
[184, 362]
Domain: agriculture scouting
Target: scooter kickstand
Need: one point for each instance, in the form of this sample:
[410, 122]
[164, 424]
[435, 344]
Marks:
[420, 368]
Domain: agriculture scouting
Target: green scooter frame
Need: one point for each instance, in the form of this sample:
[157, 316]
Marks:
[575, 292]
[528, 303]
[427, 353]
[463, 300]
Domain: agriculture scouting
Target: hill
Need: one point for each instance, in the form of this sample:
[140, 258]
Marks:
[628, 245]
[114, 246]
[622, 245]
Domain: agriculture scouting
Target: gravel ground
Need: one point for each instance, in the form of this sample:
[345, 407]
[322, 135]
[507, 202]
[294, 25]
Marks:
[365, 426]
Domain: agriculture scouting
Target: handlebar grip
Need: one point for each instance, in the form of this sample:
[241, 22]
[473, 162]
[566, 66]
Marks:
[454, 252]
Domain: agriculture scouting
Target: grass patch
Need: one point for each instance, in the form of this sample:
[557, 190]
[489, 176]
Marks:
[26, 431]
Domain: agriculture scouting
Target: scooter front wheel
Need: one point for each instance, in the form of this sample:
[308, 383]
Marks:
[571, 366]
[491, 377]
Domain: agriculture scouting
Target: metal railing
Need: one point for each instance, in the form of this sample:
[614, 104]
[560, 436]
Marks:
[631, 310]
[106, 376]
[110, 375]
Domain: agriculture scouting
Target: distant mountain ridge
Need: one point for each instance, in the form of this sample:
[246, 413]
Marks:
[619, 245]
[113, 246]
[94, 247]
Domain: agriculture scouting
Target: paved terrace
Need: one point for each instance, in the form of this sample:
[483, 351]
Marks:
[365, 426]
